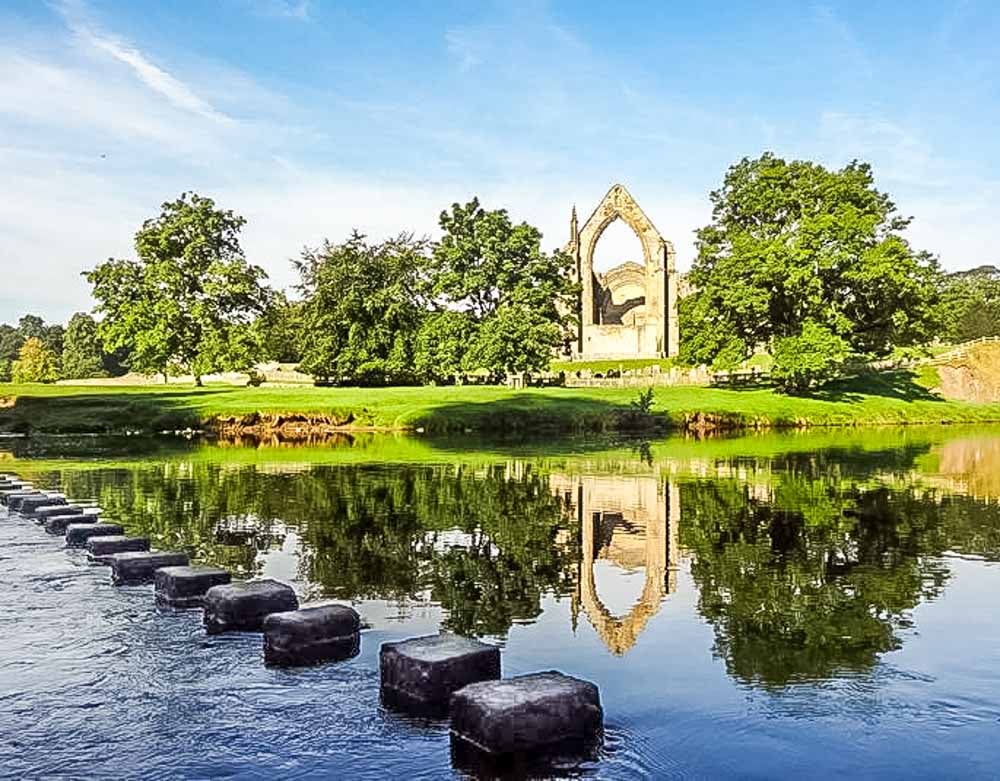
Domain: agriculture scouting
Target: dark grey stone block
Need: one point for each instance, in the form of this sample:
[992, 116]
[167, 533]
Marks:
[100, 549]
[185, 587]
[244, 606]
[57, 524]
[77, 534]
[29, 504]
[39, 514]
[312, 635]
[140, 567]
[420, 674]
[15, 500]
[527, 714]
[10, 498]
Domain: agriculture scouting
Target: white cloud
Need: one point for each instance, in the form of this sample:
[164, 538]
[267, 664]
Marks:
[152, 75]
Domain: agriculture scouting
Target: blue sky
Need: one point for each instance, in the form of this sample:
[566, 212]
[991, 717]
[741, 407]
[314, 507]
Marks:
[312, 117]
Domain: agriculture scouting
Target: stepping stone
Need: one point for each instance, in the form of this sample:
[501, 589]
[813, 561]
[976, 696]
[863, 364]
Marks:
[77, 534]
[15, 499]
[421, 673]
[29, 504]
[311, 635]
[185, 587]
[140, 567]
[39, 514]
[100, 549]
[10, 497]
[244, 606]
[57, 524]
[527, 714]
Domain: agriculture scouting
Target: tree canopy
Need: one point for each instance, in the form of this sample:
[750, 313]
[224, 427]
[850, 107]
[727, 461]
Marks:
[35, 362]
[970, 304]
[515, 296]
[189, 299]
[362, 308]
[82, 356]
[797, 251]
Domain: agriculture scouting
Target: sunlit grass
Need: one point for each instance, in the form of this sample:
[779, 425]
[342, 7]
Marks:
[870, 400]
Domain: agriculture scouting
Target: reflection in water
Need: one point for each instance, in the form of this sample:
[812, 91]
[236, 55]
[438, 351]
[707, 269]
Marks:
[807, 565]
[632, 522]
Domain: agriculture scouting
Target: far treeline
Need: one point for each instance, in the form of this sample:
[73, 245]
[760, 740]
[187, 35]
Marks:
[804, 263]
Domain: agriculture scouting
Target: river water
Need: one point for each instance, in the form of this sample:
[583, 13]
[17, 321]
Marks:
[811, 604]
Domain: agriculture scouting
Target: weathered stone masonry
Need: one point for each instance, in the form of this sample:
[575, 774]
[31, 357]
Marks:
[631, 310]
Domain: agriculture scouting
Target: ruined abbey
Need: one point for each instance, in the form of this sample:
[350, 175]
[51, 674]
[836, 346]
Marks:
[629, 311]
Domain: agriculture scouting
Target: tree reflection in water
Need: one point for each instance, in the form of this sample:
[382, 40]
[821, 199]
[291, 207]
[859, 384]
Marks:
[807, 565]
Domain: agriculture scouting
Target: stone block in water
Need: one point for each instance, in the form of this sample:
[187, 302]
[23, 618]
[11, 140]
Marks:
[17, 499]
[100, 549]
[11, 498]
[29, 504]
[57, 524]
[244, 606]
[39, 514]
[140, 567]
[311, 635]
[421, 673]
[77, 534]
[185, 587]
[528, 714]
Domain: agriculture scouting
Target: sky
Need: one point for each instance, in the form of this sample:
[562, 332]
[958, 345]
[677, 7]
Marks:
[314, 117]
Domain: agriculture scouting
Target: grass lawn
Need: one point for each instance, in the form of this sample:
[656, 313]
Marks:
[884, 399]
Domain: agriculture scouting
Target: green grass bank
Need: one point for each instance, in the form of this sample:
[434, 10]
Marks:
[888, 399]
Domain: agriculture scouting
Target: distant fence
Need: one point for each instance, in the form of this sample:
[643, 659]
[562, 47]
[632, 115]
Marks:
[962, 351]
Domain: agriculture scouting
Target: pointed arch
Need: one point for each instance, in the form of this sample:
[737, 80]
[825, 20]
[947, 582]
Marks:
[657, 335]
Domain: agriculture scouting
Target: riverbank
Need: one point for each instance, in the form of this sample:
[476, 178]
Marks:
[889, 399]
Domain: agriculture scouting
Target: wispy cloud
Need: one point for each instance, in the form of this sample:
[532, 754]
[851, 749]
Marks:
[149, 73]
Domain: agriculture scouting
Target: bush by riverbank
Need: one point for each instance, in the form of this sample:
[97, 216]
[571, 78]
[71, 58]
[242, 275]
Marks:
[884, 399]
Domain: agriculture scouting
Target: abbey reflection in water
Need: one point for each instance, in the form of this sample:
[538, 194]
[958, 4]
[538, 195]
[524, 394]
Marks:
[805, 564]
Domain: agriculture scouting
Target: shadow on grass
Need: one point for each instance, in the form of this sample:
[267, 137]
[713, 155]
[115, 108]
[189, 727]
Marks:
[521, 415]
[900, 385]
[102, 413]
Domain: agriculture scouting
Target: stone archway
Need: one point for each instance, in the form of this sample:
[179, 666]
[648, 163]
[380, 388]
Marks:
[653, 331]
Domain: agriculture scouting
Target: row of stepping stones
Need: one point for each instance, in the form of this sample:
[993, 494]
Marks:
[292, 635]
[441, 675]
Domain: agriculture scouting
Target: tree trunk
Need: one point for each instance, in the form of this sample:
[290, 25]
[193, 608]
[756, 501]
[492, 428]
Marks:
[165, 380]
[197, 380]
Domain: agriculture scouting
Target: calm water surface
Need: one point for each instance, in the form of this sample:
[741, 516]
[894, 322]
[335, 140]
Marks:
[810, 604]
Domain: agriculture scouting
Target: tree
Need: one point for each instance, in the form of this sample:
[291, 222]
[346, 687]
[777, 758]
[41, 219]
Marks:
[281, 330]
[970, 304]
[362, 308]
[441, 345]
[188, 301]
[13, 338]
[35, 363]
[809, 358]
[82, 355]
[792, 243]
[496, 272]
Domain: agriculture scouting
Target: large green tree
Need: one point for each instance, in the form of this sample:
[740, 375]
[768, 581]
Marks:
[188, 301]
[363, 305]
[799, 252]
[82, 355]
[516, 296]
[970, 304]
